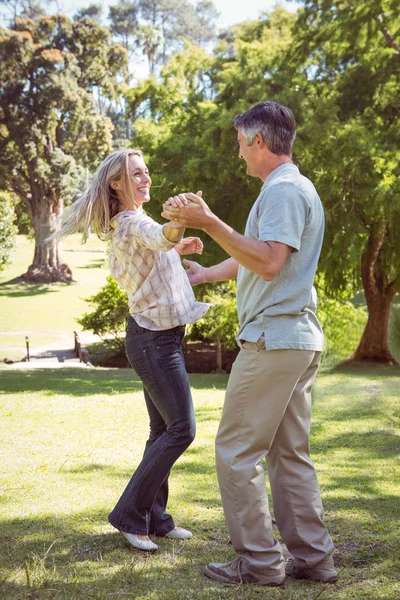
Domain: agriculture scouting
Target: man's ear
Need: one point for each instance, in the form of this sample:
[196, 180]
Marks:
[259, 140]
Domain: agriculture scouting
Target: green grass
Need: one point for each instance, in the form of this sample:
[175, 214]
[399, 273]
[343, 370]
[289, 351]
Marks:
[71, 440]
[47, 313]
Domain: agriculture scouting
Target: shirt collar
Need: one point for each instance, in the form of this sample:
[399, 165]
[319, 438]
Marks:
[278, 171]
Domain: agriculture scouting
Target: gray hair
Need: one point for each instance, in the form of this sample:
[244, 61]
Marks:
[99, 203]
[274, 122]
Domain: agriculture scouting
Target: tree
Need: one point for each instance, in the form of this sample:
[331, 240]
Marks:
[158, 27]
[93, 11]
[49, 127]
[349, 55]
[186, 132]
[124, 21]
[28, 9]
[206, 22]
[8, 230]
[340, 77]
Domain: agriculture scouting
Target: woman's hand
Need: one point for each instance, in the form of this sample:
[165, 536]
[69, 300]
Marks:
[190, 245]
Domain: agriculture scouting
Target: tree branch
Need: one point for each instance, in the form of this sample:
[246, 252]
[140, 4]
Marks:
[391, 42]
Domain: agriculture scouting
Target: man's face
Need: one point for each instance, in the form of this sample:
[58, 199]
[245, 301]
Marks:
[248, 153]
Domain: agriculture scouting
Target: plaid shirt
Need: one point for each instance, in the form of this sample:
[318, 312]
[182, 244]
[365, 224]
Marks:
[144, 263]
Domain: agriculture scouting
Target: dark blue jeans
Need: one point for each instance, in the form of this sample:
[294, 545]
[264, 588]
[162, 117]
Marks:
[157, 358]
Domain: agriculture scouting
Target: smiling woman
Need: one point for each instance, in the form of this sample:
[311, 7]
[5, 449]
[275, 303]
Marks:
[144, 259]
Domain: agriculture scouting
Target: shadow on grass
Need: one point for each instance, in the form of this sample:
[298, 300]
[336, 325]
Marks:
[93, 264]
[78, 382]
[368, 490]
[374, 444]
[208, 414]
[366, 371]
[71, 382]
[370, 407]
[63, 555]
[25, 289]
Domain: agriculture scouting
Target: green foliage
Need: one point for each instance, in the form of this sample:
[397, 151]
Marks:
[157, 28]
[49, 125]
[342, 323]
[183, 119]
[48, 70]
[93, 11]
[8, 230]
[221, 321]
[109, 314]
[346, 55]
[337, 67]
[395, 330]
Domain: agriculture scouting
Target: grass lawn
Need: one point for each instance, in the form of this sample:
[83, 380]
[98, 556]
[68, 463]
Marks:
[47, 313]
[71, 440]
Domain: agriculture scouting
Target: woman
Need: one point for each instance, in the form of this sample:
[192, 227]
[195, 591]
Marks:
[144, 259]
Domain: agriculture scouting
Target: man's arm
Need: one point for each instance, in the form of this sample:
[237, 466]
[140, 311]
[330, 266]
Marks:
[265, 259]
[221, 272]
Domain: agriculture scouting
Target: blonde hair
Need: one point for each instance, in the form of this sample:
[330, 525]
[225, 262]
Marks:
[99, 203]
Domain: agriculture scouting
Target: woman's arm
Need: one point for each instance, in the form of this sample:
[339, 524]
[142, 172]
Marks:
[173, 231]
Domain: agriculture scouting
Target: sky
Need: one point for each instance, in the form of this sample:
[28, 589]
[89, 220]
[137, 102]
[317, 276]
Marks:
[231, 11]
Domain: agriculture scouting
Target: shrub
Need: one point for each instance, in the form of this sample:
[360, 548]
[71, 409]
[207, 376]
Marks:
[109, 315]
[342, 323]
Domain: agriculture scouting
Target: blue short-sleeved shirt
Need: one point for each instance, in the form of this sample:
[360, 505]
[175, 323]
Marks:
[288, 210]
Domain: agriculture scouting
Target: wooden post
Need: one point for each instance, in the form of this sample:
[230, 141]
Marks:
[77, 347]
[28, 358]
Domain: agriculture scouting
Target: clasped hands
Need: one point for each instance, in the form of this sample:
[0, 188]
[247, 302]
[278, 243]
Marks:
[188, 210]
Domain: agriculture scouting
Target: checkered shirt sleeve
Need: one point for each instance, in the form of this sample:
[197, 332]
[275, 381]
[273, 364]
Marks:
[144, 263]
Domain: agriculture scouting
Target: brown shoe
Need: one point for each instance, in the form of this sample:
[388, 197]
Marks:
[237, 571]
[323, 571]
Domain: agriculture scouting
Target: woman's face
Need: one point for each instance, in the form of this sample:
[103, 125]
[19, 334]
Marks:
[140, 179]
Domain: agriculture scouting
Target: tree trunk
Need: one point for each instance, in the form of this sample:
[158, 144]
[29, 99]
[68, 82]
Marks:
[374, 344]
[47, 265]
[219, 354]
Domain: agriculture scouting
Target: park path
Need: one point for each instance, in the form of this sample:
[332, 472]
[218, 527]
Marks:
[60, 354]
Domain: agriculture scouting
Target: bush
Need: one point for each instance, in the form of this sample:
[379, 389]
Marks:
[220, 323]
[109, 316]
[8, 230]
[342, 323]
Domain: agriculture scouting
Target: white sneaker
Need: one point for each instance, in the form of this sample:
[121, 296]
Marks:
[145, 545]
[178, 533]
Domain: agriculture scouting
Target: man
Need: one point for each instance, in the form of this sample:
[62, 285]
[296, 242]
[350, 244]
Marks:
[267, 409]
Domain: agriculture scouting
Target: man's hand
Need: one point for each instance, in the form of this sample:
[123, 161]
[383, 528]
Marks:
[195, 272]
[190, 245]
[194, 214]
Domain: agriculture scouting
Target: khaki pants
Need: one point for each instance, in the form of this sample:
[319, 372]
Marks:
[267, 412]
